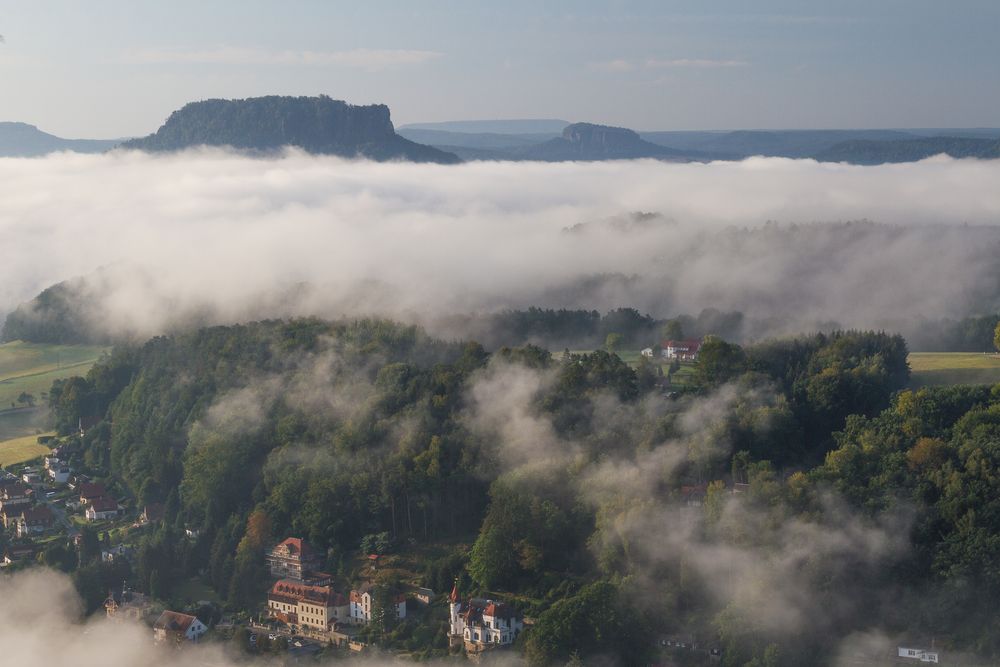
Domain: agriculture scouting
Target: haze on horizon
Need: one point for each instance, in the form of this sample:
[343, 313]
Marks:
[86, 70]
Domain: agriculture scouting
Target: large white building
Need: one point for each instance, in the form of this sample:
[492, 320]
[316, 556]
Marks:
[481, 624]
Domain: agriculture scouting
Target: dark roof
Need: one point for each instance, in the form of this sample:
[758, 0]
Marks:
[92, 490]
[104, 504]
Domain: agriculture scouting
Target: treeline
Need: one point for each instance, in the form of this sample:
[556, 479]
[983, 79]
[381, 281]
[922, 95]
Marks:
[559, 329]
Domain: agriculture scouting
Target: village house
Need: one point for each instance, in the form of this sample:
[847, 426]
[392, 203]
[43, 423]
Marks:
[90, 492]
[127, 606]
[297, 604]
[16, 553]
[14, 497]
[102, 509]
[122, 552]
[292, 559]
[34, 520]
[694, 495]
[32, 478]
[482, 624]
[177, 627]
[59, 474]
[361, 605]
[682, 350]
[424, 595]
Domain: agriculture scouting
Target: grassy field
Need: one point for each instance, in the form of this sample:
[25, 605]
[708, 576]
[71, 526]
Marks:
[31, 367]
[950, 368]
[19, 450]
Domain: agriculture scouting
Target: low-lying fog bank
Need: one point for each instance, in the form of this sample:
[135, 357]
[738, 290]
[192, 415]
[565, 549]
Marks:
[220, 237]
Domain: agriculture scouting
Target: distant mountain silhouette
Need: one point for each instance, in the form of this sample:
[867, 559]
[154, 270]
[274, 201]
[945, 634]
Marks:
[909, 150]
[318, 125]
[516, 126]
[23, 140]
[586, 141]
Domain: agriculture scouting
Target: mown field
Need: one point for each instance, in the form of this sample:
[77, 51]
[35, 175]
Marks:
[950, 368]
[31, 367]
[19, 450]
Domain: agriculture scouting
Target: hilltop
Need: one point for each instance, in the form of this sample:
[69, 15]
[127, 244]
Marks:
[24, 140]
[319, 125]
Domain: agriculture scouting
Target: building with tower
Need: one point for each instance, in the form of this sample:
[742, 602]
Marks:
[482, 624]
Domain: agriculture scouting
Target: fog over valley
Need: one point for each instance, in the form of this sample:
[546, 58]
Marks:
[206, 236]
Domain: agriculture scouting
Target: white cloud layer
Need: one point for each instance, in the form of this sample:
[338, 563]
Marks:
[209, 231]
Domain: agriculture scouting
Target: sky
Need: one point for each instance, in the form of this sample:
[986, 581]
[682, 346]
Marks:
[112, 68]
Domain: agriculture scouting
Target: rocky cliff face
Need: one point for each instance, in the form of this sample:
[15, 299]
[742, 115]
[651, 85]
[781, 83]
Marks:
[263, 124]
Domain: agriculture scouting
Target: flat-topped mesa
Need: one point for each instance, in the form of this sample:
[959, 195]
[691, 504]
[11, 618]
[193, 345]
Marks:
[318, 125]
[588, 141]
[601, 135]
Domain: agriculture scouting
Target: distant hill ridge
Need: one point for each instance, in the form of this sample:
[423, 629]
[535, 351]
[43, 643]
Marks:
[870, 152]
[24, 140]
[319, 125]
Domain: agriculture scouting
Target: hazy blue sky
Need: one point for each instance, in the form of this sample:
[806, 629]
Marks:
[103, 68]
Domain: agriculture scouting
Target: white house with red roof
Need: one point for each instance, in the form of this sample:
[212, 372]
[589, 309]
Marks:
[481, 623]
[683, 350]
[362, 602]
[100, 509]
[175, 626]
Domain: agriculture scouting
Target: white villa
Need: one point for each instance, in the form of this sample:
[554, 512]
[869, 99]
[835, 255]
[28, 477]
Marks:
[482, 624]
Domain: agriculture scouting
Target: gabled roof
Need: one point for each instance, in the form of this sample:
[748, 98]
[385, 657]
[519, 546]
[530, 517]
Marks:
[104, 504]
[174, 621]
[40, 513]
[92, 490]
[297, 547]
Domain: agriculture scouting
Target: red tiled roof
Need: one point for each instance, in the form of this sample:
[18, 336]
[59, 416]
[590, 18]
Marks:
[174, 621]
[296, 545]
[291, 590]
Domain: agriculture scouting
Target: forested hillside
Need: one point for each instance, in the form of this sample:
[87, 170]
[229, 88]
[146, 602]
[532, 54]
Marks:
[582, 485]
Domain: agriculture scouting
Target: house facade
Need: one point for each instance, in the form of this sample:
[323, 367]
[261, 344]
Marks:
[318, 607]
[90, 492]
[35, 520]
[682, 350]
[102, 509]
[127, 606]
[177, 627]
[361, 605]
[292, 559]
[482, 624]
